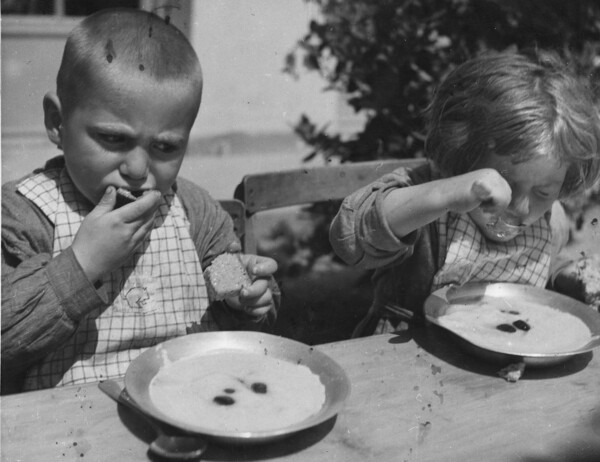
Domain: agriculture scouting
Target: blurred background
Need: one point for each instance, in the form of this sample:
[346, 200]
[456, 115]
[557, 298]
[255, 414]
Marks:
[249, 104]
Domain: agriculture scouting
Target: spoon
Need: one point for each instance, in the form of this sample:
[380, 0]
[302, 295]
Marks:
[504, 229]
[182, 447]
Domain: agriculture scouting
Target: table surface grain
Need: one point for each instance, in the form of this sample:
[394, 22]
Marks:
[414, 396]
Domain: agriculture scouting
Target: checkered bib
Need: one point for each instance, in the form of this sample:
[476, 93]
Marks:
[157, 294]
[465, 255]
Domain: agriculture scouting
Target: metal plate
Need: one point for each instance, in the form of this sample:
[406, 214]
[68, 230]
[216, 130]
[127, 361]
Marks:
[143, 369]
[437, 304]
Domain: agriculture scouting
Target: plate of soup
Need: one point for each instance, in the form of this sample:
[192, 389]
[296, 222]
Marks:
[237, 387]
[515, 322]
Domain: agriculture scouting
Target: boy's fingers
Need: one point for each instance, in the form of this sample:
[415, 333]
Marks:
[141, 208]
[145, 229]
[261, 266]
[254, 291]
[234, 247]
[108, 200]
[259, 311]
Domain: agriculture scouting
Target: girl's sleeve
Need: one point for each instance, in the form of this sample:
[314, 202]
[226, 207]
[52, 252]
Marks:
[563, 265]
[43, 297]
[560, 227]
[360, 234]
[211, 228]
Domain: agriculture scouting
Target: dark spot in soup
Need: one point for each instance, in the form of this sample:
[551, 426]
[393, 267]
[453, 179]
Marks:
[506, 328]
[110, 51]
[521, 325]
[513, 312]
[224, 400]
[259, 387]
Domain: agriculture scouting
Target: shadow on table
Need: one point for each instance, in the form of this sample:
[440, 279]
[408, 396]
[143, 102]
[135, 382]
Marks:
[279, 448]
[227, 452]
[442, 344]
[581, 444]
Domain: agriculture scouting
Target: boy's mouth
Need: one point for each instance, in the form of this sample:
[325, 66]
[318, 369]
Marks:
[125, 196]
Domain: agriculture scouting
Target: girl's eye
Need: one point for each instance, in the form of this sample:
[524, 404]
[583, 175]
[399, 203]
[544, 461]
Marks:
[543, 193]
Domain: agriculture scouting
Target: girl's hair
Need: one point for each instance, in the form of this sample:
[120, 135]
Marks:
[515, 104]
[115, 40]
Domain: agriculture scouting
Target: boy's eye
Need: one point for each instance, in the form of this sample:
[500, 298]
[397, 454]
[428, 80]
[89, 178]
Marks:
[167, 148]
[111, 138]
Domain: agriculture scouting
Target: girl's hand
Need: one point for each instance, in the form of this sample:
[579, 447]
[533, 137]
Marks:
[579, 280]
[256, 300]
[484, 188]
[107, 237]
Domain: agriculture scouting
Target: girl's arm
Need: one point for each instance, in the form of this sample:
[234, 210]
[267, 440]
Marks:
[359, 233]
[378, 225]
[408, 209]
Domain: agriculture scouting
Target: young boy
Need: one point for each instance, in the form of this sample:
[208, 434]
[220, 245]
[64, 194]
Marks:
[87, 283]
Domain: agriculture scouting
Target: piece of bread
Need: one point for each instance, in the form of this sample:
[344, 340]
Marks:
[512, 372]
[226, 277]
[125, 196]
[589, 276]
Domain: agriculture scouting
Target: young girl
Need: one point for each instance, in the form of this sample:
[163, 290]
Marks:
[508, 135]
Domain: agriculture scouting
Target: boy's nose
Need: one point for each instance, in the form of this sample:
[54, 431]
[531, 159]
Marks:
[136, 165]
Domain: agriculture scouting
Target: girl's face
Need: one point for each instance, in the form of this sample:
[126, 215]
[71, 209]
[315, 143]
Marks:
[535, 183]
[131, 134]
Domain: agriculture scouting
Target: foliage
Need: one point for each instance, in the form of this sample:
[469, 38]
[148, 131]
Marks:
[387, 56]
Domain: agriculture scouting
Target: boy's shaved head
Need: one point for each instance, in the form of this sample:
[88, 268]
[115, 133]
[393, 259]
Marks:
[124, 42]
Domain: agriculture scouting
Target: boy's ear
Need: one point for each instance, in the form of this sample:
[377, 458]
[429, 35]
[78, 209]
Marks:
[53, 118]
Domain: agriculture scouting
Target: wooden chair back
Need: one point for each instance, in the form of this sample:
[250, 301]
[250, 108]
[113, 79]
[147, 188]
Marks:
[272, 190]
[237, 211]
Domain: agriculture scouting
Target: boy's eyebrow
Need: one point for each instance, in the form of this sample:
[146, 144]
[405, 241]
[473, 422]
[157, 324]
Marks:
[169, 138]
[117, 127]
[124, 129]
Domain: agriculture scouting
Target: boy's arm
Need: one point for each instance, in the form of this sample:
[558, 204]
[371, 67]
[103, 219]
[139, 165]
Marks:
[43, 298]
[213, 234]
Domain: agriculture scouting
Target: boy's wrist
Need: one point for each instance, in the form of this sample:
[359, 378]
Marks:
[242, 313]
[88, 268]
[77, 295]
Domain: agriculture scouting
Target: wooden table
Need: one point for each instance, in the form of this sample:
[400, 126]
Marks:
[415, 397]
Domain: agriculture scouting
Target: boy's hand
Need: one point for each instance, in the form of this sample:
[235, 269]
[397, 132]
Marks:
[107, 237]
[256, 300]
[484, 188]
